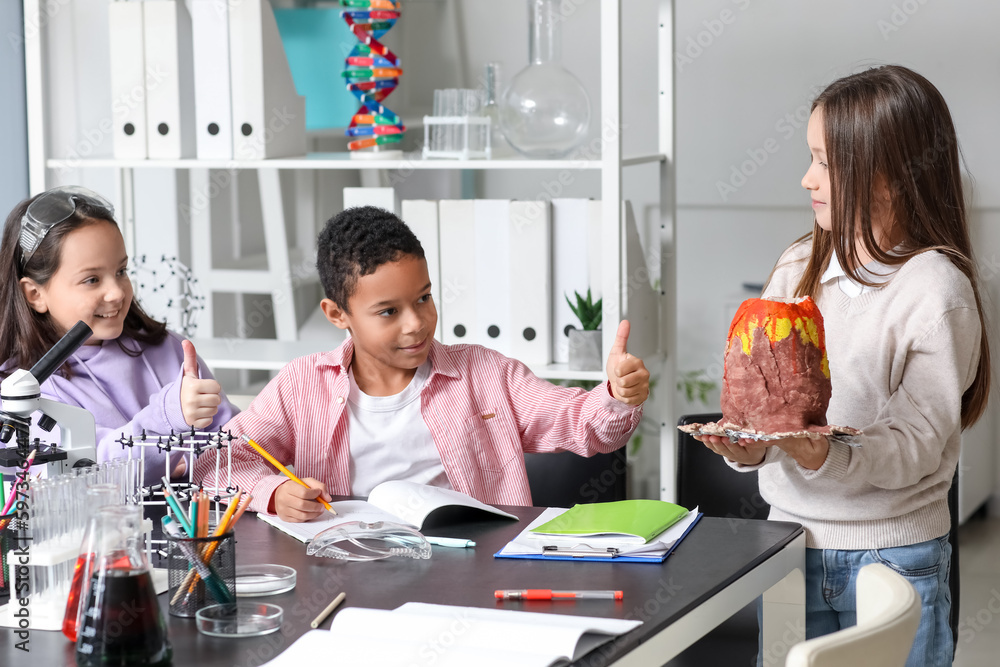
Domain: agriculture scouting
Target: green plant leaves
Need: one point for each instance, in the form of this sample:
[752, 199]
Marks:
[588, 312]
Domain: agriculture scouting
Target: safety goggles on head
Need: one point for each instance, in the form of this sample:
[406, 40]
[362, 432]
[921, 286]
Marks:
[52, 207]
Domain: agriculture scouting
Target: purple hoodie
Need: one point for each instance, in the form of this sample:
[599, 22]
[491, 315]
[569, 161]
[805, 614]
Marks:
[128, 394]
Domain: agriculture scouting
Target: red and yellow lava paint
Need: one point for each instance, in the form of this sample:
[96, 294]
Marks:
[778, 319]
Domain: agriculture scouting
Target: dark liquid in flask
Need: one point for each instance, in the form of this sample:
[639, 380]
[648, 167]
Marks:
[122, 625]
[82, 572]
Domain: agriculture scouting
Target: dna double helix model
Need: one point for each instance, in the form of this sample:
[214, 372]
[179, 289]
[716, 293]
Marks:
[372, 73]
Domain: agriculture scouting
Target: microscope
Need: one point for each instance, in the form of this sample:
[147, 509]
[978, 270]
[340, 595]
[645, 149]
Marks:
[20, 397]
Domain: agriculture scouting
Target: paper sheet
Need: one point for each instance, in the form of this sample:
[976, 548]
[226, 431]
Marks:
[452, 636]
[529, 543]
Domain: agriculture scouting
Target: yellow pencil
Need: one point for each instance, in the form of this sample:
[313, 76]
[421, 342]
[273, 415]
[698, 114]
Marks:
[224, 521]
[288, 473]
[229, 519]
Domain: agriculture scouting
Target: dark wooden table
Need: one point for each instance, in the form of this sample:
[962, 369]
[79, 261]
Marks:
[721, 566]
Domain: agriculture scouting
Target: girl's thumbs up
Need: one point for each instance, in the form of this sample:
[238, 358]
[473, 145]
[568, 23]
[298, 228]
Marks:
[190, 359]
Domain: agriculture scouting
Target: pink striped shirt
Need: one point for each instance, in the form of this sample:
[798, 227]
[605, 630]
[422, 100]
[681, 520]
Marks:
[484, 411]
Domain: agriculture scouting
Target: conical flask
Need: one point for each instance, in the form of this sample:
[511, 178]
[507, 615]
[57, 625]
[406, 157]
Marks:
[121, 624]
[98, 496]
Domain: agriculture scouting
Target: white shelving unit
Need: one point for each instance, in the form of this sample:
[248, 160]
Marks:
[272, 354]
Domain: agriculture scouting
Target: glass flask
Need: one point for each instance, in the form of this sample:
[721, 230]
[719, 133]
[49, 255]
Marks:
[98, 496]
[545, 111]
[121, 622]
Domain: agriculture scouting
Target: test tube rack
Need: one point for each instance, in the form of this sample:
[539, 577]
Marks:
[57, 515]
[461, 137]
[42, 550]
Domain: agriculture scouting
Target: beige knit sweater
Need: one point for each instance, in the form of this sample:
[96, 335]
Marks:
[901, 357]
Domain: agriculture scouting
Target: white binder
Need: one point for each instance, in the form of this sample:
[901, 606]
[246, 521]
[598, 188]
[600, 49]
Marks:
[383, 198]
[170, 88]
[493, 288]
[269, 117]
[530, 282]
[570, 272]
[212, 95]
[128, 79]
[640, 302]
[421, 216]
[458, 272]
[594, 245]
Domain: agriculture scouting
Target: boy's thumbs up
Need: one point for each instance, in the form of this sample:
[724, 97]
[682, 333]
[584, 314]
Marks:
[627, 375]
[190, 359]
[621, 338]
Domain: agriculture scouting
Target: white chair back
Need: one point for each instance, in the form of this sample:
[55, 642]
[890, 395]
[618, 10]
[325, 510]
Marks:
[888, 616]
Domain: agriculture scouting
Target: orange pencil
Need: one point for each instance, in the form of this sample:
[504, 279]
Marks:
[203, 507]
[288, 473]
[224, 521]
[229, 519]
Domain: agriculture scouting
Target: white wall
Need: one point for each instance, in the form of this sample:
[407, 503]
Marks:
[746, 72]
[14, 166]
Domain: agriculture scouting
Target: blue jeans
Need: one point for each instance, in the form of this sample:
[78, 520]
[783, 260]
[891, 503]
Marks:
[831, 594]
[831, 578]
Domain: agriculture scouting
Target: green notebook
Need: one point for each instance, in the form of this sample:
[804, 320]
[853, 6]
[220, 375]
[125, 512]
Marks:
[635, 521]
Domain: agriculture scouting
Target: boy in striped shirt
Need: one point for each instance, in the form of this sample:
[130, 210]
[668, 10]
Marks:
[393, 403]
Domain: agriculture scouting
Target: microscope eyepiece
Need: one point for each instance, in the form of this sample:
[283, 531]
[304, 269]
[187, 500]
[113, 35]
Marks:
[61, 351]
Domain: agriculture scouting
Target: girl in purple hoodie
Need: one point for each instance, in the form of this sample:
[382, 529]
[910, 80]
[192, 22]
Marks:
[65, 261]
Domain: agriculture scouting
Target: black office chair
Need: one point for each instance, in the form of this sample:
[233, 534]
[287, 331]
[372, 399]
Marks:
[954, 580]
[564, 479]
[704, 479]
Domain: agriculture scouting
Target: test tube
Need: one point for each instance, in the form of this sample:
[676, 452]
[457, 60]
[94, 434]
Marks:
[40, 513]
[436, 129]
[450, 110]
[77, 578]
[57, 509]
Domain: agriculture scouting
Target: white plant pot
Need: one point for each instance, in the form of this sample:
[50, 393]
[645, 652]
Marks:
[585, 350]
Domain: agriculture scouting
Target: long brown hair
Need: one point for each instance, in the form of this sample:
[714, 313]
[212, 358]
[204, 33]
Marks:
[26, 335]
[890, 125]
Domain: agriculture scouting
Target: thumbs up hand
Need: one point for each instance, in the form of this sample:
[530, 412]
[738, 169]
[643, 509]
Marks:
[199, 398]
[627, 375]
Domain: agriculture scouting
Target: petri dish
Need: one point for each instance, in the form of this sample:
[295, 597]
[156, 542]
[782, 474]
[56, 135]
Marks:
[241, 619]
[263, 579]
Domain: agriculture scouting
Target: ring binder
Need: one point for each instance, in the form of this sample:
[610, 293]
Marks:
[553, 550]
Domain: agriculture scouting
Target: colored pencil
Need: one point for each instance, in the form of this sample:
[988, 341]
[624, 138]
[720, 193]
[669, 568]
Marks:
[229, 519]
[13, 488]
[182, 517]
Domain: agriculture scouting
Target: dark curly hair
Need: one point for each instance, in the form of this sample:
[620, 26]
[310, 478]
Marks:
[354, 243]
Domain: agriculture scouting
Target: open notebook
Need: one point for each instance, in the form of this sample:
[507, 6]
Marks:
[449, 636]
[400, 501]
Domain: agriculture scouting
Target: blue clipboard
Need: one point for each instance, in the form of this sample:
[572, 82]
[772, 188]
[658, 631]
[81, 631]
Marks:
[611, 558]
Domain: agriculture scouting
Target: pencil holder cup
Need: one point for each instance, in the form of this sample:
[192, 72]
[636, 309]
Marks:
[201, 572]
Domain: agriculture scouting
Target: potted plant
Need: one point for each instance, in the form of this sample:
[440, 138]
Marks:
[585, 343]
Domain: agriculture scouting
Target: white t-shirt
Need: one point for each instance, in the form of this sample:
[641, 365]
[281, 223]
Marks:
[389, 439]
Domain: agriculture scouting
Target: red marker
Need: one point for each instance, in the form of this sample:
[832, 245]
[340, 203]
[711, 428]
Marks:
[546, 594]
